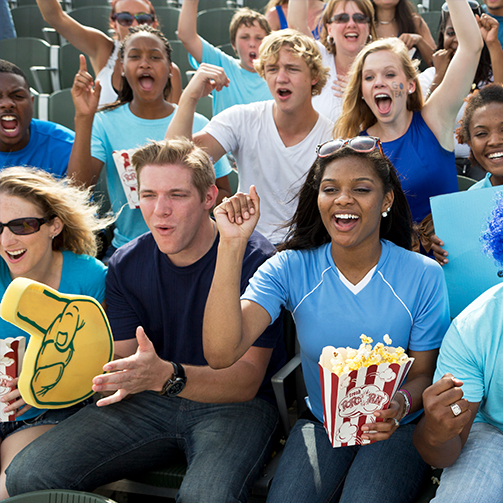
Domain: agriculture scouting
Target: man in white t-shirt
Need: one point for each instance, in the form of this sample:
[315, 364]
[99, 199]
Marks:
[274, 142]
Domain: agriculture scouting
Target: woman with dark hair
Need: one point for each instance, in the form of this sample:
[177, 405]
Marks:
[396, 18]
[102, 50]
[345, 262]
[489, 69]
[109, 138]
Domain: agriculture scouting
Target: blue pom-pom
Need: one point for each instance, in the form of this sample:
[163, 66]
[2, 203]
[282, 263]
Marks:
[493, 236]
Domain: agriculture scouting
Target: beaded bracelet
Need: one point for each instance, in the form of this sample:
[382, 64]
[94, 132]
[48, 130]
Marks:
[407, 399]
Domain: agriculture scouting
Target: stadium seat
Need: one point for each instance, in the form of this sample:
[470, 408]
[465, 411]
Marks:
[258, 5]
[59, 496]
[28, 21]
[69, 65]
[167, 17]
[432, 19]
[37, 59]
[180, 56]
[213, 25]
[97, 16]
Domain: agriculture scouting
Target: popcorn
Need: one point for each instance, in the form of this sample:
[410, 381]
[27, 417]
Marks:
[357, 382]
[11, 357]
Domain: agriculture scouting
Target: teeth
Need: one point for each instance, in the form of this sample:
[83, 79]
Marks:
[347, 217]
[16, 253]
[8, 118]
[378, 96]
[496, 155]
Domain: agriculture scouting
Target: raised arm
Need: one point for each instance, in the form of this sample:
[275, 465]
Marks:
[82, 167]
[440, 435]
[244, 321]
[489, 29]
[297, 16]
[441, 109]
[90, 41]
[187, 29]
[207, 78]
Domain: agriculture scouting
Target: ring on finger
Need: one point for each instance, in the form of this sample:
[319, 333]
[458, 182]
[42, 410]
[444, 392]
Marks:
[397, 422]
[456, 409]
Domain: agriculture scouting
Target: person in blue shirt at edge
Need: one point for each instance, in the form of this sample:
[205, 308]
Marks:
[108, 139]
[47, 234]
[495, 9]
[462, 427]
[246, 30]
[222, 421]
[346, 261]
[25, 141]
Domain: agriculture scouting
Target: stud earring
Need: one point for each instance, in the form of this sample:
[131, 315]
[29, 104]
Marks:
[385, 213]
[410, 91]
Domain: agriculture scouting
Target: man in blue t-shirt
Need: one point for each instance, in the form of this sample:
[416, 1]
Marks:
[25, 141]
[157, 285]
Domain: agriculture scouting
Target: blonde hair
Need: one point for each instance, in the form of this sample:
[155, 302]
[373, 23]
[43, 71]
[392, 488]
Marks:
[300, 45]
[364, 5]
[181, 152]
[247, 17]
[356, 115]
[58, 198]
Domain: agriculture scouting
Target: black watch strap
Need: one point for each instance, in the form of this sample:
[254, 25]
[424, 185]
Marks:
[176, 383]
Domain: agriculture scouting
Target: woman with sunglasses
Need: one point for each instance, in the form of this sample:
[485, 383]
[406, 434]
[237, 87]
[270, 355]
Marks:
[347, 25]
[345, 263]
[102, 50]
[47, 234]
[489, 69]
[384, 99]
[396, 18]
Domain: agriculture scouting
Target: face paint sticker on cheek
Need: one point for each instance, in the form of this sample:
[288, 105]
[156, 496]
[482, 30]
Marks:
[398, 89]
[70, 342]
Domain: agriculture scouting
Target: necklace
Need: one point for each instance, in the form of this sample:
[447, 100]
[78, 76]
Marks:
[385, 22]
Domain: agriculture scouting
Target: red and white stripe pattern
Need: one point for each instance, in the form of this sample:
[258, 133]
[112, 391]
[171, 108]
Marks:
[348, 407]
[11, 358]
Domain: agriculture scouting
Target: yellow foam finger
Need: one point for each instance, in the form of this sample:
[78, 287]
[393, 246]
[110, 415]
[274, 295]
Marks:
[70, 342]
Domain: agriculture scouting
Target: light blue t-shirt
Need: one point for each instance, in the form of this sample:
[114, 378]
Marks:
[80, 275]
[244, 87]
[120, 129]
[49, 149]
[406, 298]
[472, 351]
[485, 183]
[500, 21]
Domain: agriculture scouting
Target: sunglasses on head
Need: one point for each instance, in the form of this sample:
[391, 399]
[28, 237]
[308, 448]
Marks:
[343, 17]
[363, 144]
[25, 226]
[126, 18]
[474, 5]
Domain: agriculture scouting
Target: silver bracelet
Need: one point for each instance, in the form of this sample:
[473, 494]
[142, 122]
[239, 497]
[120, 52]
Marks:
[406, 399]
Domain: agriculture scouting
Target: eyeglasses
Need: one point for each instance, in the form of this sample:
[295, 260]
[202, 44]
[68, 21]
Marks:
[474, 5]
[343, 17]
[363, 144]
[126, 18]
[25, 226]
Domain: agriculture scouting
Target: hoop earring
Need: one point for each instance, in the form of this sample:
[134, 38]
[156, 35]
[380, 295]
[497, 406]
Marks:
[330, 40]
[369, 39]
[385, 213]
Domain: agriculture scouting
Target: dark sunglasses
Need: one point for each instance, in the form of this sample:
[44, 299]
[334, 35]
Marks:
[25, 226]
[363, 144]
[343, 17]
[474, 5]
[126, 18]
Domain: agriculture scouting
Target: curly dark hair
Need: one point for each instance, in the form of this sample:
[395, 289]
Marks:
[306, 228]
[126, 93]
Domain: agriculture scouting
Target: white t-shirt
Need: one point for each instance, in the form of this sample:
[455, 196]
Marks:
[326, 103]
[250, 133]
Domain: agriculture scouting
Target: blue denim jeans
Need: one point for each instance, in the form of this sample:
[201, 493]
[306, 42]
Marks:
[225, 445]
[310, 469]
[477, 475]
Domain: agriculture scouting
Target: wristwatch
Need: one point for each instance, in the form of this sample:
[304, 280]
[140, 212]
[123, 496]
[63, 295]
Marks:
[175, 384]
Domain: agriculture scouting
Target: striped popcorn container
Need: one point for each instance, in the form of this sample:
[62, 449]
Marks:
[11, 358]
[350, 400]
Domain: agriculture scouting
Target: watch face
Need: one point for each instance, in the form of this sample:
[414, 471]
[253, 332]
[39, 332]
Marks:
[176, 388]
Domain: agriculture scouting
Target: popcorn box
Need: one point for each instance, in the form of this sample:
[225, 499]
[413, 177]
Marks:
[11, 358]
[350, 400]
